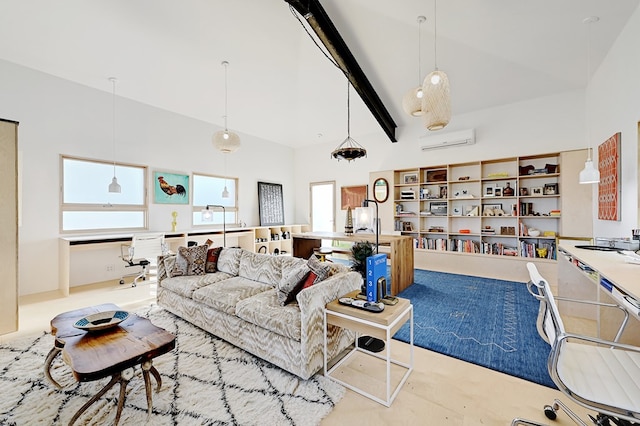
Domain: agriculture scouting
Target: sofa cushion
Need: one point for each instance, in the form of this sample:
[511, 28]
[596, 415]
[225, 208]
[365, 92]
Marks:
[263, 268]
[190, 261]
[321, 269]
[225, 296]
[291, 283]
[212, 260]
[264, 310]
[186, 285]
[169, 263]
[229, 260]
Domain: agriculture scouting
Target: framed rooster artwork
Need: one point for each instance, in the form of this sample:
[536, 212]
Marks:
[170, 188]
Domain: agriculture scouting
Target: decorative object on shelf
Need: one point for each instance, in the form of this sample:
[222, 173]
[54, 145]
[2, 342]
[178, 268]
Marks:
[438, 208]
[114, 186]
[609, 188]
[463, 178]
[207, 216]
[508, 191]
[407, 226]
[533, 232]
[170, 188]
[348, 226]
[508, 230]
[407, 195]
[497, 191]
[457, 211]
[472, 211]
[174, 222]
[349, 149]
[412, 100]
[523, 192]
[443, 192]
[488, 191]
[526, 170]
[352, 196]
[537, 190]
[463, 193]
[589, 174]
[551, 168]
[270, 204]
[498, 175]
[436, 99]
[224, 140]
[542, 252]
[410, 178]
[551, 189]
[439, 175]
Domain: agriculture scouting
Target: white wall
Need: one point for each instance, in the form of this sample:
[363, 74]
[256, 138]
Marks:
[613, 102]
[60, 117]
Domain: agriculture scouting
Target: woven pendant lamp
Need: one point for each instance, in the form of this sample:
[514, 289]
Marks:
[436, 99]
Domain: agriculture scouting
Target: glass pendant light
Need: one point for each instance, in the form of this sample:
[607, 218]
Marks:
[436, 99]
[114, 186]
[225, 140]
[589, 174]
[412, 100]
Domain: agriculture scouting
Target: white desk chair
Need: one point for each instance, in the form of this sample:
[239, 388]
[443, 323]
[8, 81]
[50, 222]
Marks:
[598, 374]
[144, 251]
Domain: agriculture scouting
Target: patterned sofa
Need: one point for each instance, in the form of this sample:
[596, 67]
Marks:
[243, 302]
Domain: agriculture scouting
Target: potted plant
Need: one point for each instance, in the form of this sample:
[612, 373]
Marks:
[359, 253]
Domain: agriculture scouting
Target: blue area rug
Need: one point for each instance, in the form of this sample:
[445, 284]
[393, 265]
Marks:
[487, 322]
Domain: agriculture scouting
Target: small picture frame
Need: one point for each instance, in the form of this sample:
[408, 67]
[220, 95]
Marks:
[443, 192]
[488, 191]
[497, 191]
[536, 190]
[410, 178]
[523, 191]
[457, 211]
[550, 189]
[407, 226]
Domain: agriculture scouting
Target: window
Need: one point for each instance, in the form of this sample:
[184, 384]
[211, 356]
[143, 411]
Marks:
[208, 190]
[87, 205]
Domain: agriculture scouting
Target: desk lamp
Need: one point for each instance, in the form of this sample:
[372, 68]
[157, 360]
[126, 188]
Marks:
[207, 216]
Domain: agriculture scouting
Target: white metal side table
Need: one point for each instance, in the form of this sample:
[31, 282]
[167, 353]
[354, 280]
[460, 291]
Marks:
[382, 325]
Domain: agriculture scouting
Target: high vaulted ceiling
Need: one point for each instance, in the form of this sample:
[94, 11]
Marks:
[167, 53]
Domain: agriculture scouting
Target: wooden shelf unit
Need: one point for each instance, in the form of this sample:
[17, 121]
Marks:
[453, 207]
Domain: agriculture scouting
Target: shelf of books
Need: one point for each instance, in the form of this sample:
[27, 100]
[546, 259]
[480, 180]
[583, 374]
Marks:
[502, 207]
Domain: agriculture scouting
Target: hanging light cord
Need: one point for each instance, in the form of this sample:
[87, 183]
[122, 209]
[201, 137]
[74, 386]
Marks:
[435, 33]
[348, 111]
[420, 21]
[225, 64]
[589, 21]
[113, 123]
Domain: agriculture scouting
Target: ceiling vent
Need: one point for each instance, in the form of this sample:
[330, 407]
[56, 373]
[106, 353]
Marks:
[447, 140]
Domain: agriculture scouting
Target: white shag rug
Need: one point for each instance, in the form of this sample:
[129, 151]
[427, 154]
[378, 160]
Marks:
[205, 381]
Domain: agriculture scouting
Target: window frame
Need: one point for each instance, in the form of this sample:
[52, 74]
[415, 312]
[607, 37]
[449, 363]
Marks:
[197, 209]
[102, 207]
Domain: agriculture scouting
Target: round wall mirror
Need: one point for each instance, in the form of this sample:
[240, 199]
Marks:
[380, 190]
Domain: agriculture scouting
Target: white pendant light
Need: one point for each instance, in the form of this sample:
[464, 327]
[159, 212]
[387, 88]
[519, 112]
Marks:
[436, 99]
[225, 140]
[412, 100]
[589, 174]
[114, 186]
[349, 149]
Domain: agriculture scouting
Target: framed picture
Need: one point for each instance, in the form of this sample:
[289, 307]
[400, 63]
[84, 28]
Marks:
[488, 191]
[409, 178]
[497, 191]
[438, 208]
[491, 206]
[170, 188]
[353, 196]
[523, 191]
[550, 188]
[438, 175]
[270, 204]
[443, 192]
[457, 211]
[407, 226]
[609, 187]
[536, 190]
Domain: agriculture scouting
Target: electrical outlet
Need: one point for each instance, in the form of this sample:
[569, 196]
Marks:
[111, 268]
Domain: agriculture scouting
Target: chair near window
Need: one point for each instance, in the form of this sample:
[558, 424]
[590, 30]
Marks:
[143, 251]
[600, 375]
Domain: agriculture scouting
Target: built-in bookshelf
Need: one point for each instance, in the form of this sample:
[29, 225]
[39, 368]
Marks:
[504, 207]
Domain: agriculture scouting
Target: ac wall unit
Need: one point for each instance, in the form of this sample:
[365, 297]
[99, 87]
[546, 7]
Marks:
[447, 140]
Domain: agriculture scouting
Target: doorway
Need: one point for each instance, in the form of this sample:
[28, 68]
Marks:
[323, 212]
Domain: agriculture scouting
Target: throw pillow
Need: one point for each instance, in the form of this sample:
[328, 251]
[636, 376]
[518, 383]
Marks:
[309, 280]
[169, 263]
[212, 259]
[190, 261]
[321, 269]
[291, 283]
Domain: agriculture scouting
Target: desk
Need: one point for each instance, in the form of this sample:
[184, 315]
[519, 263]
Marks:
[401, 252]
[610, 281]
[382, 325]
